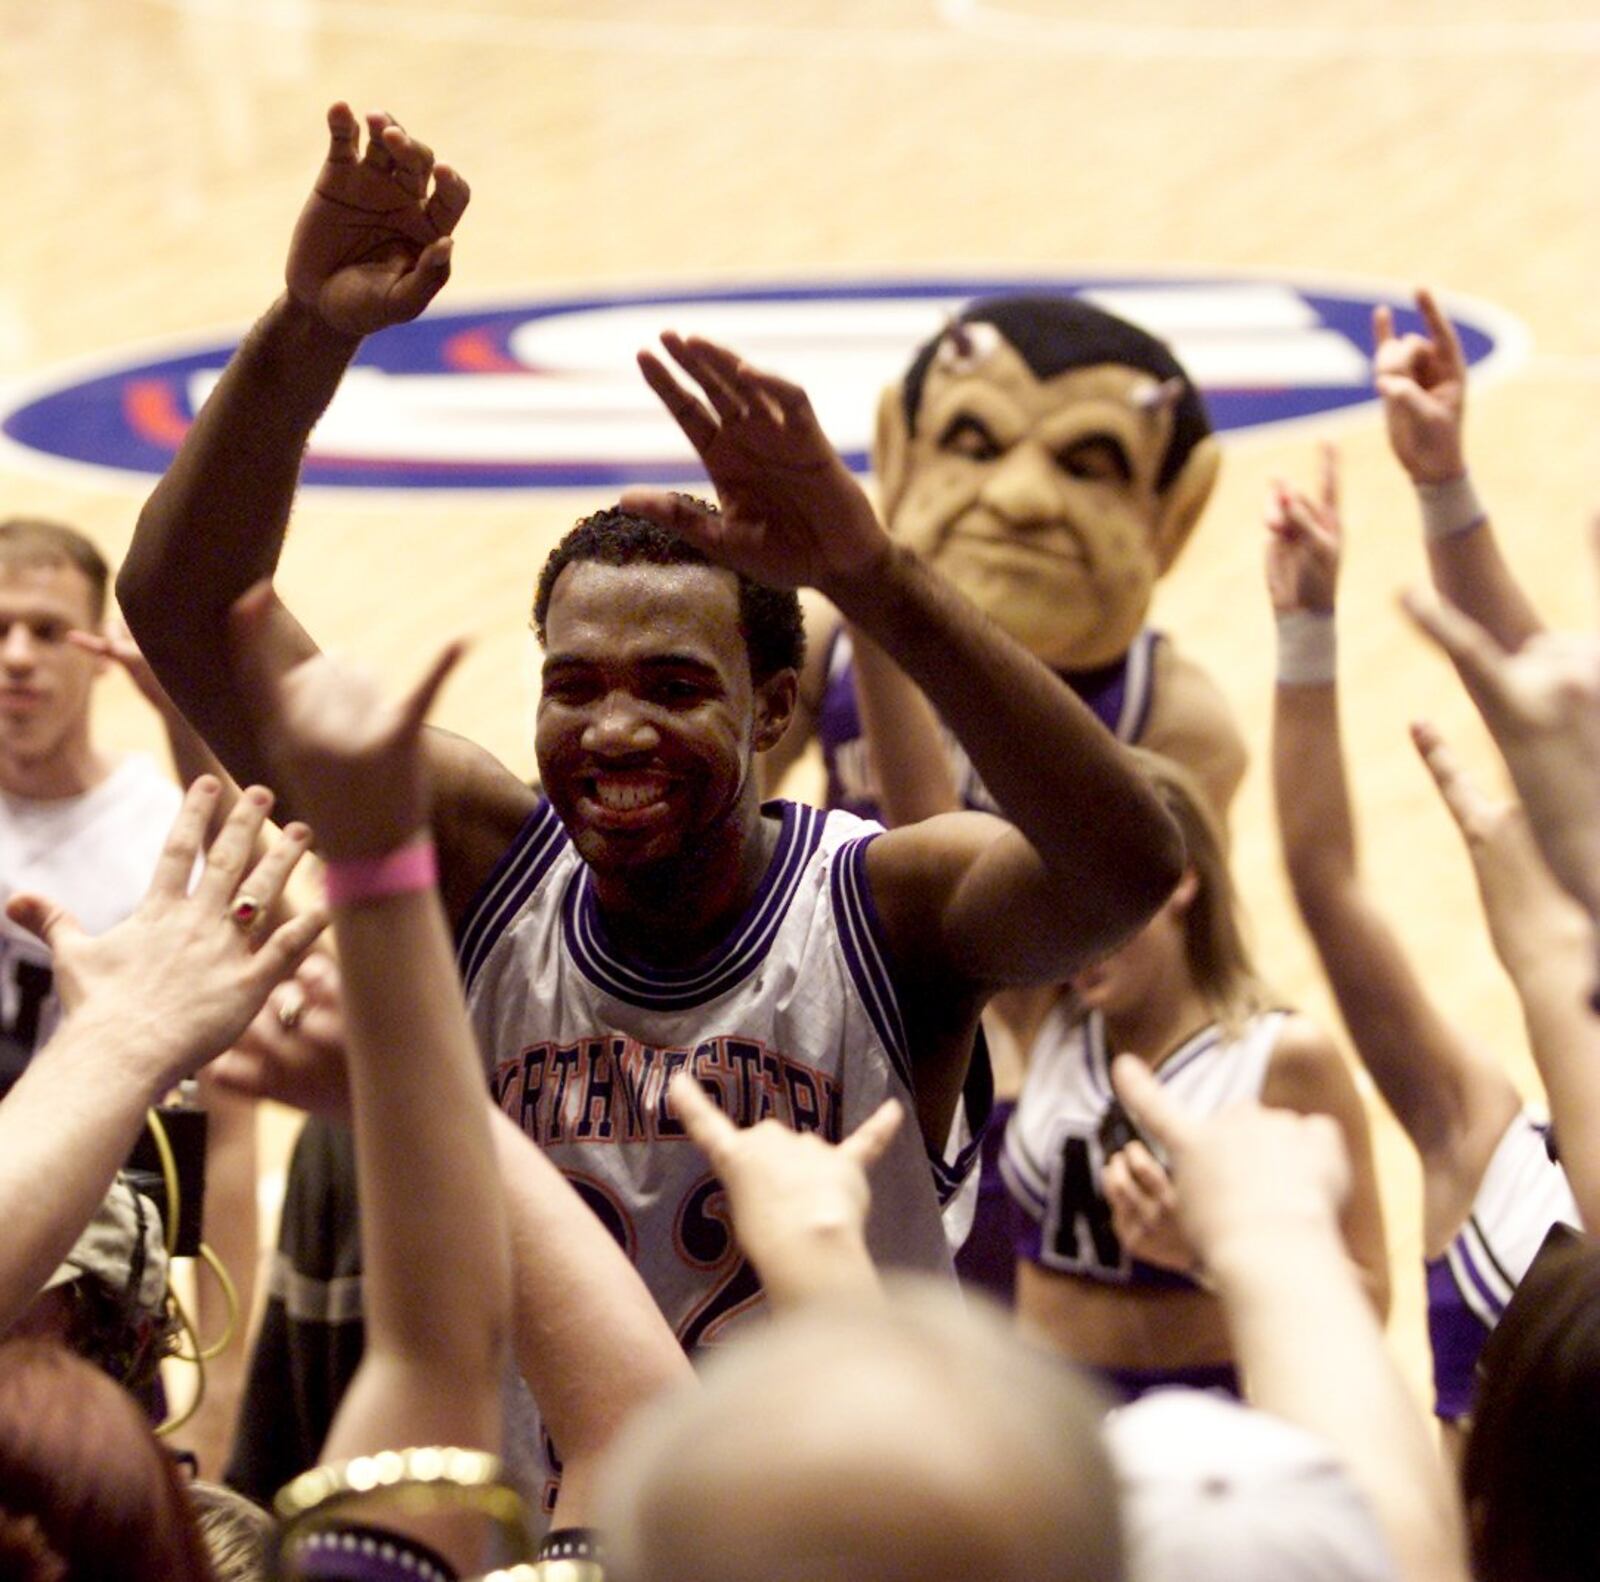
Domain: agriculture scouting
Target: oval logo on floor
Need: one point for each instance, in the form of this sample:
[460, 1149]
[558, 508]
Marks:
[544, 394]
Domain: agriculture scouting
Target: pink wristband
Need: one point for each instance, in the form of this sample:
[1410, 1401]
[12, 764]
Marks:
[414, 866]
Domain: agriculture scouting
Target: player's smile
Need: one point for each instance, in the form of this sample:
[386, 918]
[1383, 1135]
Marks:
[645, 719]
[626, 799]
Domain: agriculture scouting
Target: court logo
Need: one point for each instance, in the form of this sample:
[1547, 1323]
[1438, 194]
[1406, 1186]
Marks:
[545, 395]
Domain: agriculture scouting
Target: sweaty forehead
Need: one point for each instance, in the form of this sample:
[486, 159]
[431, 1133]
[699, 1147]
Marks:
[1001, 381]
[599, 611]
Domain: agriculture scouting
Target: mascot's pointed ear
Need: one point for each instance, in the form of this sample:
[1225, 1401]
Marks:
[1183, 500]
[891, 445]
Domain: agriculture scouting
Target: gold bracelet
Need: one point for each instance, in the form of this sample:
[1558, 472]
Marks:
[426, 1479]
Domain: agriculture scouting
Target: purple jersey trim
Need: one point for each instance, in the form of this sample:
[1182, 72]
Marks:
[512, 880]
[738, 955]
[1455, 1336]
[866, 953]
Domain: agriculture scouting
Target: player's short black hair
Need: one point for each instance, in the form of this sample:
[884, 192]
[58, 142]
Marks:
[769, 618]
[1053, 334]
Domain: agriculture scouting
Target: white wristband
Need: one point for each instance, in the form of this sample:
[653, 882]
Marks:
[1450, 509]
[1307, 650]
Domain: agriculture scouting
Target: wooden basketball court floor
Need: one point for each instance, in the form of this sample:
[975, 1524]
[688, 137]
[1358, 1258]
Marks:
[160, 150]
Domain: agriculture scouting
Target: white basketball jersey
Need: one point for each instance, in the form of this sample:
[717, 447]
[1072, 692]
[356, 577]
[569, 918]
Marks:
[793, 1016]
[1523, 1193]
[93, 854]
[1052, 1159]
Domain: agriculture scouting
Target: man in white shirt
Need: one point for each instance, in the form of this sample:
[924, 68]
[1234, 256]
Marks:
[77, 823]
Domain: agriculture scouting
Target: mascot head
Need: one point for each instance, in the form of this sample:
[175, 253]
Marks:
[1051, 460]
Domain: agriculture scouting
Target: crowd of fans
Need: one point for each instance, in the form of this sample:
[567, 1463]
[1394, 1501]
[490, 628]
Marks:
[650, 1117]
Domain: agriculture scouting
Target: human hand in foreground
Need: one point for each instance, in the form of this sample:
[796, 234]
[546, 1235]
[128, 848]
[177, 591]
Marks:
[1422, 382]
[1542, 706]
[350, 757]
[792, 515]
[294, 1051]
[799, 1203]
[1144, 1209]
[1245, 1176]
[372, 244]
[183, 976]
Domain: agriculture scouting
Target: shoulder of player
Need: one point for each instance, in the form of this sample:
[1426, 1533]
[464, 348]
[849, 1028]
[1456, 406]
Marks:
[1306, 1071]
[478, 807]
[914, 871]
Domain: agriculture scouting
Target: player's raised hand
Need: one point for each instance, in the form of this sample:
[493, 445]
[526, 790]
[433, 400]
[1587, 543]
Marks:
[190, 967]
[372, 244]
[351, 759]
[792, 515]
[1304, 539]
[1422, 380]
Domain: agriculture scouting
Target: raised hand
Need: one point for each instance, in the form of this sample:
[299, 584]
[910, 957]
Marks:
[1144, 1209]
[1304, 539]
[294, 1051]
[1244, 1173]
[796, 1200]
[792, 515]
[116, 644]
[1542, 706]
[1519, 891]
[1422, 380]
[187, 969]
[352, 760]
[372, 244]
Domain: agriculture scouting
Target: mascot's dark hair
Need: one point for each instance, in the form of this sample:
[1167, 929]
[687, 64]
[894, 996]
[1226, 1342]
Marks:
[1055, 334]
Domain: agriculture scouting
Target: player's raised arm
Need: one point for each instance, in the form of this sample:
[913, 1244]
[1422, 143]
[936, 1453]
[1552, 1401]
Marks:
[1422, 381]
[1453, 1101]
[1088, 853]
[371, 248]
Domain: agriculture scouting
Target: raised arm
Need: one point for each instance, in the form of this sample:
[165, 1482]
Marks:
[371, 248]
[1545, 943]
[1422, 381]
[148, 1003]
[1542, 706]
[436, 1267]
[1260, 1194]
[799, 1204]
[1453, 1102]
[1088, 852]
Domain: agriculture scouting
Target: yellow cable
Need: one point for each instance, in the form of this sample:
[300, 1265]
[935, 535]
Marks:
[173, 1424]
[230, 1294]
